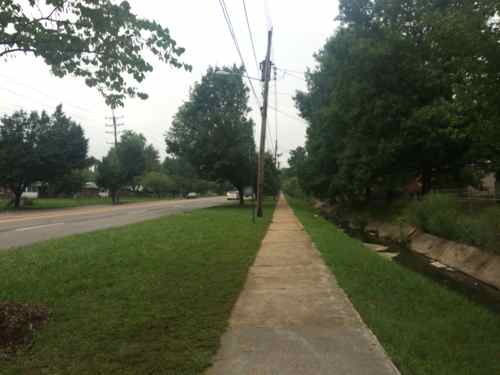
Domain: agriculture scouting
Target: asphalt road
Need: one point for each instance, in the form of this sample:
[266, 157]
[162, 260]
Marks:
[24, 228]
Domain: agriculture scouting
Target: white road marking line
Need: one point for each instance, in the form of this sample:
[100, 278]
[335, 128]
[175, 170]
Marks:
[37, 227]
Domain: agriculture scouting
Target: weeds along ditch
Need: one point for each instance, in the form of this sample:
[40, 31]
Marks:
[460, 282]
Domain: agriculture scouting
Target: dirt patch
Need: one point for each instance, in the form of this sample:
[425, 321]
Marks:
[18, 323]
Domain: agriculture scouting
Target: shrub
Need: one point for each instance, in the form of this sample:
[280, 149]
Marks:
[444, 216]
[291, 187]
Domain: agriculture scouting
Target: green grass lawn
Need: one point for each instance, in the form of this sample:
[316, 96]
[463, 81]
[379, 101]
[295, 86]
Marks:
[55, 203]
[148, 298]
[426, 328]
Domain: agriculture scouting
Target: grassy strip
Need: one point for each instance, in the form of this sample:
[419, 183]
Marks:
[149, 298]
[445, 216]
[425, 328]
[57, 203]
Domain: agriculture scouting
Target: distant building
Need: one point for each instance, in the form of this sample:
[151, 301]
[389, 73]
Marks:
[488, 186]
[90, 189]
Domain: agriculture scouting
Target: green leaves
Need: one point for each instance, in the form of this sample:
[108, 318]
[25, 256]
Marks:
[125, 164]
[39, 148]
[403, 89]
[212, 131]
[97, 40]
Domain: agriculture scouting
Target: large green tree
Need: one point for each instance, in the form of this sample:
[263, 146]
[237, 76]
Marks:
[212, 130]
[272, 181]
[102, 41]
[395, 96]
[38, 147]
[131, 153]
[110, 175]
[126, 164]
[151, 159]
[158, 183]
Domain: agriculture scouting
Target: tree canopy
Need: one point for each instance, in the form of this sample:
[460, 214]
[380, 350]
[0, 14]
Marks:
[402, 90]
[38, 147]
[101, 41]
[212, 130]
[126, 164]
[110, 174]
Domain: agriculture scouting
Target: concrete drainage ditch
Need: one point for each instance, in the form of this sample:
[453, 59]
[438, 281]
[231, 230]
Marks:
[431, 256]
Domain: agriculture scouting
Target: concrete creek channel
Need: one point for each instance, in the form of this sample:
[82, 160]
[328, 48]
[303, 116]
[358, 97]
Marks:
[473, 288]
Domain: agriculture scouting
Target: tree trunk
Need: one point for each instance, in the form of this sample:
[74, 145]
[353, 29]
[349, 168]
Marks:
[17, 198]
[242, 200]
[426, 181]
[368, 194]
[114, 197]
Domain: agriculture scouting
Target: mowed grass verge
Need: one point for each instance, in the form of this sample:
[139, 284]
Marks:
[58, 203]
[148, 298]
[425, 328]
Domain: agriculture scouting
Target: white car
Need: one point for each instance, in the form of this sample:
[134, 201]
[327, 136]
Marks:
[233, 195]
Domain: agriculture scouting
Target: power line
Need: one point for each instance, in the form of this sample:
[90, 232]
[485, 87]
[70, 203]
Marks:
[291, 71]
[115, 127]
[72, 114]
[45, 94]
[251, 36]
[293, 117]
[294, 76]
[270, 140]
[236, 44]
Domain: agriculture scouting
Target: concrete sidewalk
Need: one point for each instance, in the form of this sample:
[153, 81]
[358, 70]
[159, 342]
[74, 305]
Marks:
[293, 318]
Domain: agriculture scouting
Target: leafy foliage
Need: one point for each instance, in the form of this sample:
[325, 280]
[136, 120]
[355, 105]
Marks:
[443, 215]
[157, 183]
[98, 40]
[110, 174]
[272, 182]
[39, 148]
[132, 155]
[69, 184]
[212, 132]
[398, 94]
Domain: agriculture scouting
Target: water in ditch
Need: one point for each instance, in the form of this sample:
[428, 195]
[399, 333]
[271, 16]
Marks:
[472, 288]
[460, 282]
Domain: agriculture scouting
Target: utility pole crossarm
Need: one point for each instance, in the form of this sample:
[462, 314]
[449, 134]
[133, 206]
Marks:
[115, 127]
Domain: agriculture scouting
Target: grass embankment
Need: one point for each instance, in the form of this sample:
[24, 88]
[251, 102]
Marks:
[424, 327]
[467, 222]
[57, 203]
[473, 223]
[149, 298]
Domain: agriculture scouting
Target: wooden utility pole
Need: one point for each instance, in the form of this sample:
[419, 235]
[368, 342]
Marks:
[276, 163]
[115, 126]
[266, 75]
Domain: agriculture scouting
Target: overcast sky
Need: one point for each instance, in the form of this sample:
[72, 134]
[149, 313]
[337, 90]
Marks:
[300, 30]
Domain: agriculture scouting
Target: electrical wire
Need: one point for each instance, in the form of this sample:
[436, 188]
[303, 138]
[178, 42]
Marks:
[294, 76]
[235, 41]
[81, 117]
[291, 71]
[227, 17]
[251, 37]
[45, 94]
[293, 117]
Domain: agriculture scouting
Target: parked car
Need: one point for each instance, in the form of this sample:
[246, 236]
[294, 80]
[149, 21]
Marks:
[233, 195]
[191, 195]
